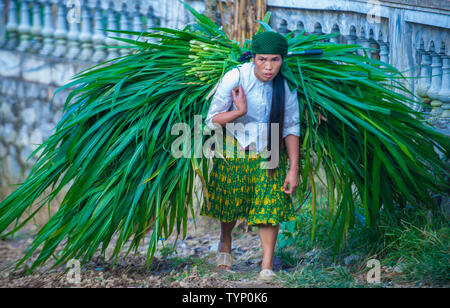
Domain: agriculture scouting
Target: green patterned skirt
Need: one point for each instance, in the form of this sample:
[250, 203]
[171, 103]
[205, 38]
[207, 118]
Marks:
[239, 188]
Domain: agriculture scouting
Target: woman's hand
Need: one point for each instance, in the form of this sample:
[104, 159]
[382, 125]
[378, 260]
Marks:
[241, 108]
[292, 180]
[240, 100]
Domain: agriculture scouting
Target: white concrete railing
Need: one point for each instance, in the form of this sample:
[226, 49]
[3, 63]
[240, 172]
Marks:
[413, 39]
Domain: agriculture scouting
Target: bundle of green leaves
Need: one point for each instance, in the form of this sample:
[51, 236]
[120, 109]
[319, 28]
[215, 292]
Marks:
[113, 141]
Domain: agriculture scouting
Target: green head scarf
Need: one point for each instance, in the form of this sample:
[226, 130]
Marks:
[270, 42]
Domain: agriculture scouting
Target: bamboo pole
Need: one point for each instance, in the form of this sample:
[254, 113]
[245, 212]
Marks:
[259, 10]
[230, 18]
[263, 8]
[222, 16]
[242, 16]
[242, 20]
[236, 19]
[250, 19]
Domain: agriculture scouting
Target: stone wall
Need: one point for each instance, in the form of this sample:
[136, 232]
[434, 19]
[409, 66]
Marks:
[27, 116]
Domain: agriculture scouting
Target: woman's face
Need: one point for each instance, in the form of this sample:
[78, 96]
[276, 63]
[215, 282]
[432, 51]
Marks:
[267, 66]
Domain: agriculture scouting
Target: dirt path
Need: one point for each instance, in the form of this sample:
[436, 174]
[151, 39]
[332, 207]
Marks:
[193, 264]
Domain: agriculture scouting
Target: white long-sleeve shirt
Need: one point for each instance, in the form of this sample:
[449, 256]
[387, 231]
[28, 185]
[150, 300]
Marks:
[259, 100]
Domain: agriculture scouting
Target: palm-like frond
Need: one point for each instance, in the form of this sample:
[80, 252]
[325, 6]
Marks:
[113, 142]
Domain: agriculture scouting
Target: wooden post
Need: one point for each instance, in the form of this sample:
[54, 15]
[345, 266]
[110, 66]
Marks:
[230, 18]
[222, 16]
[236, 20]
[242, 21]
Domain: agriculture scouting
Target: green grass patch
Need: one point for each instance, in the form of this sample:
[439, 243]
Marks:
[412, 247]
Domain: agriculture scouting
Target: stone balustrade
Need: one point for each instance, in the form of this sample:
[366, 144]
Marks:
[71, 29]
[43, 43]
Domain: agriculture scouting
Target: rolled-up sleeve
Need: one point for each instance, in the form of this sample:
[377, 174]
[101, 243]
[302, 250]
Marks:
[291, 113]
[223, 98]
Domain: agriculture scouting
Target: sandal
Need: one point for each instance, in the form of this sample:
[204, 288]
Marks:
[224, 259]
[267, 275]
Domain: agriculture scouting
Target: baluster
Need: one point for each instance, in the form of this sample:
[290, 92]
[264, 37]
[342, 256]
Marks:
[424, 82]
[124, 25]
[384, 49]
[436, 80]
[2, 23]
[24, 27]
[137, 20]
[99, 36]
[61, 29]
[444, 93]
[111, 25]
[375, 52]
[36, 29]
[86, 32]
[364, 42]
[150, 22]
[351, 40]
[150, 17]
[300, 26]
[73, 36]
[318, 30]
[12, 25]
[282, 28]
[351, 37]
[335, 39]
[48, 30]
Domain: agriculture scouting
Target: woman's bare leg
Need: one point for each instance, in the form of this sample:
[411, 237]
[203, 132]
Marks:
[225, 236]
[268, 236]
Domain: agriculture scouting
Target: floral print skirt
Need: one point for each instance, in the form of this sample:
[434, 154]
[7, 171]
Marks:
[240, 187]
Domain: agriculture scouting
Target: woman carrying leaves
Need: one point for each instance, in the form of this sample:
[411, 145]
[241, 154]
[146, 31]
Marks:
[241, 187]
[111, 146]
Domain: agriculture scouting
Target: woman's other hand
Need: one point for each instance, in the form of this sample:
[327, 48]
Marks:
[292, 180]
